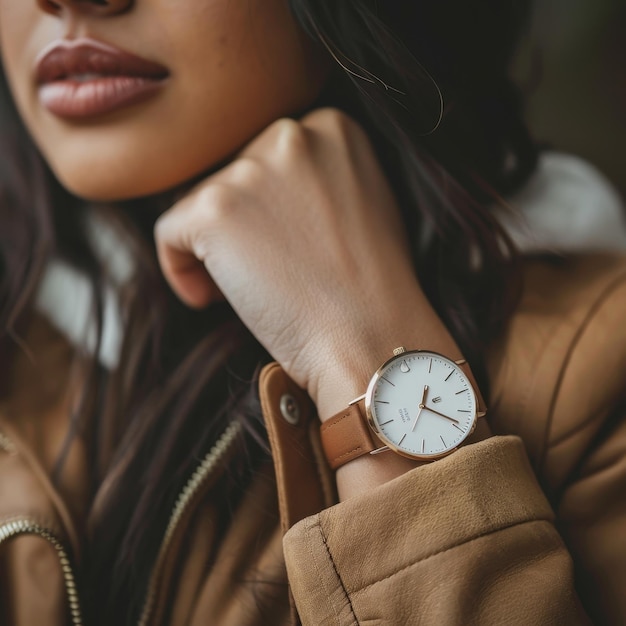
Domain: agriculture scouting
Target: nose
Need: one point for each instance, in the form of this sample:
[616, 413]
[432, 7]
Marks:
[91, 7]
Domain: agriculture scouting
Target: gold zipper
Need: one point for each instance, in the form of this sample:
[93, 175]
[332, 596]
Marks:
[29, 527]
[202, 473]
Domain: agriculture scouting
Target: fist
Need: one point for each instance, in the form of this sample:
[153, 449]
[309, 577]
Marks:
[302, 235]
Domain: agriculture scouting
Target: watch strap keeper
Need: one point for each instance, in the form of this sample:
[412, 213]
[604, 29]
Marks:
[346, 436]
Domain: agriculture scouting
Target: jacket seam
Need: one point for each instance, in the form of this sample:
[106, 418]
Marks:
[332, 562]
[452, 547]
[320, 577]
[613, 286]
[595, 417]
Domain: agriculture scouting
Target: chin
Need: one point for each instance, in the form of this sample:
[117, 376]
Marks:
[119, 191]
[117, 165]
[117, 184]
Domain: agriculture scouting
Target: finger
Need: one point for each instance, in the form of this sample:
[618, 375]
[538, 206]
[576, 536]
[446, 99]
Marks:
[188, 278]
[180, 260]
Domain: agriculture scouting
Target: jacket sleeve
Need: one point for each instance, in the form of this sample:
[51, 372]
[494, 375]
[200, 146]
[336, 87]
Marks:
[592, 520]
[467, 540]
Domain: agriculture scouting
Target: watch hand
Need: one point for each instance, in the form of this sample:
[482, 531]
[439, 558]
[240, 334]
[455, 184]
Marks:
[451, 419]
[421, 406]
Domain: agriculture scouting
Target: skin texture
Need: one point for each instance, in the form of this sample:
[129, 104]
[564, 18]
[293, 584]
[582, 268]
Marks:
[320, 271]
[300, 231]
[234, 68]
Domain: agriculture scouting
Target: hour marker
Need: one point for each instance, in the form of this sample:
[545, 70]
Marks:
[442, 441]
[401, 440]
[458, 428]
[450, 374]
[430, 366]
[387, 422]
[386, 380]
[463, 411]
[462, 390]
[422, 446]
[404, 368]
[437, 399]
[381, 401]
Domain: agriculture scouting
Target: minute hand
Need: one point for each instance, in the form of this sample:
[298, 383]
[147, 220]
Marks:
[451, 419]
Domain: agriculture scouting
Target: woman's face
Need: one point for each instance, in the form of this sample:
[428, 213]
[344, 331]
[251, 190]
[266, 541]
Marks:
[211, 74]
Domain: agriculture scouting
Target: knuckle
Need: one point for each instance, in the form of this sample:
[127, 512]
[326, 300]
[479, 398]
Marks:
[328, 117]
[344, 125]
[161, 228]
[195, 221]
[335, 123]
[211, 210]
[291, 137]
[201, 242]
[245, 171]
[214, 202]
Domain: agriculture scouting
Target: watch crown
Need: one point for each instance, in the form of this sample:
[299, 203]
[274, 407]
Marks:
[398, 351]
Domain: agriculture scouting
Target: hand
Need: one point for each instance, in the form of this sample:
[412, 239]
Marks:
[421, 406]
[302, 235]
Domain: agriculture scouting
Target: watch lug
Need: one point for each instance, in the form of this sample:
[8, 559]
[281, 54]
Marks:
[380, 450]
[461, 362]
[481, 413]
[356, 400]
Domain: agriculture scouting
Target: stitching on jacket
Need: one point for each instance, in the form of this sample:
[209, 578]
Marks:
[613, 286]
[320, 578]
[456, 545]
[332, 561]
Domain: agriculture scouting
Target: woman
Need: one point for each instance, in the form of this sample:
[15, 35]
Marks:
[308, 183]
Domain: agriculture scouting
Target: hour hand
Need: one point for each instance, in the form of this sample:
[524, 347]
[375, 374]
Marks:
[421, 406]
[423, 401]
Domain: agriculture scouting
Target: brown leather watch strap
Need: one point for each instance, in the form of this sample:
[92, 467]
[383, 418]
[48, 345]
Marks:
[347, 436]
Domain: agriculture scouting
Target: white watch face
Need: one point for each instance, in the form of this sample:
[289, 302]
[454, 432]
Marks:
[421, 404]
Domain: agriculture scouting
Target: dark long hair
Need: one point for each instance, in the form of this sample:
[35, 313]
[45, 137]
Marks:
[429, 82]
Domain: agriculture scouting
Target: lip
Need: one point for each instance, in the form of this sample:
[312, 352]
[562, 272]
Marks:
[82, 78]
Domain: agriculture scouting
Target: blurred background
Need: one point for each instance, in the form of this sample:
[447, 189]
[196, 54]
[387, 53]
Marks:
[573, 68]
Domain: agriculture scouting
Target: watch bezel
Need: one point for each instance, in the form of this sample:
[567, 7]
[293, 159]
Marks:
[368, 401]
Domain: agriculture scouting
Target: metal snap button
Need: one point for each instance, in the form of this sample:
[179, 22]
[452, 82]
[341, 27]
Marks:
[290, 409]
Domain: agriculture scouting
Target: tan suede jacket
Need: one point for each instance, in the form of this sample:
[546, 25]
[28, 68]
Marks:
[528, 527]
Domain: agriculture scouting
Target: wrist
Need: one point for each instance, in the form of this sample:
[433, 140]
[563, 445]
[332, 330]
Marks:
[347, 377]
[346, 368]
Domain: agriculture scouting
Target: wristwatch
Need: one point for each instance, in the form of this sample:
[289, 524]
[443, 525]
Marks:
[419, 404]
